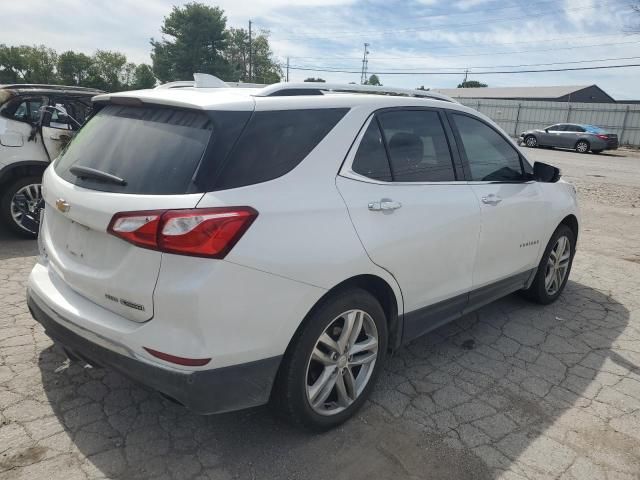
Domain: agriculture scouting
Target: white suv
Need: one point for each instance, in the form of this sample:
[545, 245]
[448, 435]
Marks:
[230, 247]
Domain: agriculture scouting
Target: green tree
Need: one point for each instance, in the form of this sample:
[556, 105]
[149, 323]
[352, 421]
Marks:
[27, 64]
[373, 80]
[312, 79]
[11, 64]
[472, 84]
[264, 68]
[196, 43]
[108, 71]
[143, 77]
[73, 68]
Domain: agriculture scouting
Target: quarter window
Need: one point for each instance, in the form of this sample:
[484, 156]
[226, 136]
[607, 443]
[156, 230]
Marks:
[371, 158]
[490, 156]
[274, 143]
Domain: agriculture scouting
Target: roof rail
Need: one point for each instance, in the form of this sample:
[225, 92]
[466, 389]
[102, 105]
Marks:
[318, 88]
[38, 86]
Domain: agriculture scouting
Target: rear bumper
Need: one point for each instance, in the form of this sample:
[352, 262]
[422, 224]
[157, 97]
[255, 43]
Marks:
[203, 391]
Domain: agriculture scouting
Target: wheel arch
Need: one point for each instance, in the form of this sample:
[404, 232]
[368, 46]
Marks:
[378, 288]
[572, 222]
[26, 168]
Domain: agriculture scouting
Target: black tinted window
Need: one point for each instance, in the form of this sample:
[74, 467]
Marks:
[24, 110]
[371, 158]
[155, 150]
[418, 147]
[556, 128]
[274, 142]
[490, 156]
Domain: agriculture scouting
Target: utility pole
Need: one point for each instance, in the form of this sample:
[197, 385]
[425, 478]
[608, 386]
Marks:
[365, 64]
[466, 73]
[250, 53]
[287, 69]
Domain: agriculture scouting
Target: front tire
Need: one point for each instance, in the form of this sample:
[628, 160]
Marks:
[332, 362]
[20, 206]
[582, 146]
[554, 268]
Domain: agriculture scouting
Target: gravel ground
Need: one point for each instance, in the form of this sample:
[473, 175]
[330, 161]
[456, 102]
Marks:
[514, 391]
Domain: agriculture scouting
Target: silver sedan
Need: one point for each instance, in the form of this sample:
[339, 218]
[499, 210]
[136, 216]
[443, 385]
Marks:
[579, 137]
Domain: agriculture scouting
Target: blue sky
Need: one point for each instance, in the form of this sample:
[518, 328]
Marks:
[413, 35]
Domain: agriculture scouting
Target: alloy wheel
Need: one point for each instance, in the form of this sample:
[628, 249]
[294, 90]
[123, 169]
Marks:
[342, 362]
[582, 147]
[557, 265]
[531, 142]
[25, 207]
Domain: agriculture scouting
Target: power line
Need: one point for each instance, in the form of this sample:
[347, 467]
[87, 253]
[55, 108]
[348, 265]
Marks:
[604, 67]
[514, 52]
[471, 67]
[475, 44]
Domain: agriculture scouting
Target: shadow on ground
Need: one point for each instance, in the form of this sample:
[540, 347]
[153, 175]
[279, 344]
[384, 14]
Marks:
[463, 402]
[14, 246]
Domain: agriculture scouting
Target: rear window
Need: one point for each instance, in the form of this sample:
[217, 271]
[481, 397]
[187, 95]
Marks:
[155, 150]
[169, 151]
[275, 142]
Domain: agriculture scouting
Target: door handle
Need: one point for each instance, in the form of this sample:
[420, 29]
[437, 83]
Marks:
[491, 199]
[384, 205]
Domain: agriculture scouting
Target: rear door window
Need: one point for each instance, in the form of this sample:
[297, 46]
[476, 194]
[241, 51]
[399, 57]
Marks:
[273, 143]
[418, 147]
[24, 109]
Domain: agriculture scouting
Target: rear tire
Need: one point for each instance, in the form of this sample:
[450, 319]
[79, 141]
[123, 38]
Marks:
[554, 268]
[531, 141]
[20, 206]
[582, 146]
[313, 388]
[596, 151]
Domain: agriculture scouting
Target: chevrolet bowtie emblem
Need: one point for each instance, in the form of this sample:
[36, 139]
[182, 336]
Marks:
[62, 205]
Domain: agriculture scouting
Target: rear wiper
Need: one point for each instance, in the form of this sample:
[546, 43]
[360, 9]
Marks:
[88, 172]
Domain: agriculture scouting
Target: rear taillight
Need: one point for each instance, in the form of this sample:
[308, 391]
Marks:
[201, 232]
[603, 137]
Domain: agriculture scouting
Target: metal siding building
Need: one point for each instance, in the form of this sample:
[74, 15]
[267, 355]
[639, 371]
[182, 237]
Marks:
[516, 116]
[571, 93]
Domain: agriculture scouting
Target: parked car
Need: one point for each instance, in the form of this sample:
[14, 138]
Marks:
[581, 138]
[230, 247]
[36, 122]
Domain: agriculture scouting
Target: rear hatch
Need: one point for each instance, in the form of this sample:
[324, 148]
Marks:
[152, 157]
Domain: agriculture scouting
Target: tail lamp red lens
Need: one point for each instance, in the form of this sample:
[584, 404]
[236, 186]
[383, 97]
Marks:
[603, 137]
[200, 232]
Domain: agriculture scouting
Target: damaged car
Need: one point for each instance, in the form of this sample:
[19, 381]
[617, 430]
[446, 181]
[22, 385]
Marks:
[36, 123]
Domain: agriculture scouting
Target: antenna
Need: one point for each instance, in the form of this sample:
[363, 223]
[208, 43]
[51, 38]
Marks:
[365, 64]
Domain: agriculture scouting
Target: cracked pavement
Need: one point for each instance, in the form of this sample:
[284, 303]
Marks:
[513, 391]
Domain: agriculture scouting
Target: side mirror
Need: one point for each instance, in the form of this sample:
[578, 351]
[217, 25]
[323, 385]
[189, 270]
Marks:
[545, 173]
